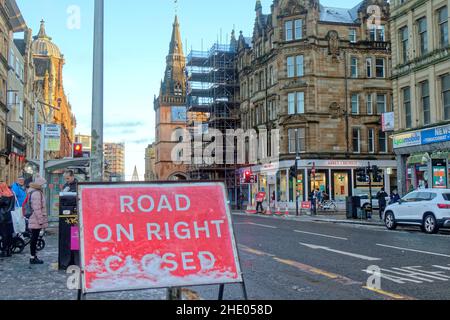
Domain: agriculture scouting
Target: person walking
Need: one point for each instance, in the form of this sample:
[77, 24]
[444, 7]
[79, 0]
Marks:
[38, 219]
[381, 196]
[313, 198]
[260, 197]
[19, 190]
[7, 204]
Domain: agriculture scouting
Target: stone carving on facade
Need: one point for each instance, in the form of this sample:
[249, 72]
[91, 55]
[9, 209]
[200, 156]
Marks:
[333, 43]
[293, 7]
[335, 110]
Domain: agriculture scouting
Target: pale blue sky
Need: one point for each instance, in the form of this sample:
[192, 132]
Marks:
[137, 36]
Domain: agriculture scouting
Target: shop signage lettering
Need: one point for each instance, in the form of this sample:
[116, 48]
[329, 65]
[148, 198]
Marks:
[440, 134]
[407, 140]
[156, 236]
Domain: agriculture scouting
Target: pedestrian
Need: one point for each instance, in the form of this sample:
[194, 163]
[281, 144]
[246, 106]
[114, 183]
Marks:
[313, 198]
[260, 197]
[39, 218]
[7, 204]
[381, 196]
[71, 182]
[19, 190]
[395, 197]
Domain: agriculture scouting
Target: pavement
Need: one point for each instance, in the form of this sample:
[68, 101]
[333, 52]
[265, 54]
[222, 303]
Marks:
[290, 258]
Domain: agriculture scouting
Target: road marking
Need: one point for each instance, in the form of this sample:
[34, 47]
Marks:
[262, 225]
[442, 267]
[354, 255]
[312, 270]
[389, 294]
[413, 250]
[320, 235]
[254, 251]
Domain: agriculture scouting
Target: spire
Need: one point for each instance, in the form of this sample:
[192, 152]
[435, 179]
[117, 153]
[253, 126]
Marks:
[135, 177]
[42, 34]
[176, 45]
[258, 6]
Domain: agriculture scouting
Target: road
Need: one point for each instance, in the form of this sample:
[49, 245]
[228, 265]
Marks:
[296, 260]
[285, 260]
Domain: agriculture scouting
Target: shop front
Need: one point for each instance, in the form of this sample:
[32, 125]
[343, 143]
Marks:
[423, 159]
[336, 178]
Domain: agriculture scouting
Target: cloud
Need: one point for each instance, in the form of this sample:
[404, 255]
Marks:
[125, 124]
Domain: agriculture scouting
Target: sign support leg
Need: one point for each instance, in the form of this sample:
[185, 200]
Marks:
[173, 294]
[244, 290]
[221, 290]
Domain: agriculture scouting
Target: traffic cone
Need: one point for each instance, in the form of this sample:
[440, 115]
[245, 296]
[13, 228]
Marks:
[250, 209]
[277, 210]
[286, 213]
[268, 211]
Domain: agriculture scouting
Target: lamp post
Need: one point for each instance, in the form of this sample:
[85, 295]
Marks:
[97, 95]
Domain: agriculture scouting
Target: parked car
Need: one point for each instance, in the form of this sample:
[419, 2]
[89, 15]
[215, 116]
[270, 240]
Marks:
[427, 208]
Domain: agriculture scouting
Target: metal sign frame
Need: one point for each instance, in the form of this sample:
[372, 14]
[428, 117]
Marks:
[114, 185]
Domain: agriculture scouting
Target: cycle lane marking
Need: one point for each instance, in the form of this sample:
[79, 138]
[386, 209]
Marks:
[350, 254]
[414, 250]
[321, 235]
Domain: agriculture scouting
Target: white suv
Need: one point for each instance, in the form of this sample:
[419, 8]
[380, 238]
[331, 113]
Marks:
[427, 208]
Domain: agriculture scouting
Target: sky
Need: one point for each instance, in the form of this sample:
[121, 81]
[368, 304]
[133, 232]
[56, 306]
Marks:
[137, 37]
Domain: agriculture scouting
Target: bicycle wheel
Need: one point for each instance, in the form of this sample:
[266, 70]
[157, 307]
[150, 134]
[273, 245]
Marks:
[40, 245]
[18, 245]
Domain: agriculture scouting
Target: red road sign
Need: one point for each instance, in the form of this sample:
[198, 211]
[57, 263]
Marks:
[306, 205]
[156, 236]
[260, 197]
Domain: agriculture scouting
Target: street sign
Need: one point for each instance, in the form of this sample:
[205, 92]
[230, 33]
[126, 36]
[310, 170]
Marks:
[147, 236]
[52, 130]
[306, 205]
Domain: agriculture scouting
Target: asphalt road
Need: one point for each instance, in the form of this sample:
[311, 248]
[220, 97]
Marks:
[287, 260]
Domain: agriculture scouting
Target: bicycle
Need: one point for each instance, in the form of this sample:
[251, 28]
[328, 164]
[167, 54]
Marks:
[328, 205]
[22, 240]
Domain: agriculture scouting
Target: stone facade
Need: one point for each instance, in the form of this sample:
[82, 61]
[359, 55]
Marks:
[421, 91]
[324, 72]
[150, 163]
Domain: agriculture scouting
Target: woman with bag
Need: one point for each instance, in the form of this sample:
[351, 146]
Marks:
[7, 204]
[38, 219]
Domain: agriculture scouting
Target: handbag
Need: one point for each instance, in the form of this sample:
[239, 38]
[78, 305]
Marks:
[18, 218]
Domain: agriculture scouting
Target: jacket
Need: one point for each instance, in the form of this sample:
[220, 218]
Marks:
[39, 218]
[6, 206]
[71, 186]
[20, 193]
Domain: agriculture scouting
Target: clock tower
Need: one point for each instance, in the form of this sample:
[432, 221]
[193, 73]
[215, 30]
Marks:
[170, 108]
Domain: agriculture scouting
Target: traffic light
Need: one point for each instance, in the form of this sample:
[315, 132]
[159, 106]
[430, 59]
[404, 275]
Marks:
[361, 174]
[377, 174]
[247, 176]
[77, 150]
[293, 172]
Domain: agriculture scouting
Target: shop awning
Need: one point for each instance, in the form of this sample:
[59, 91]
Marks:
[443, 155]
[419, 158]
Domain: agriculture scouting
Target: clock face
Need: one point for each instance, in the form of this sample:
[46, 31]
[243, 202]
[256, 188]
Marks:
[179, 114]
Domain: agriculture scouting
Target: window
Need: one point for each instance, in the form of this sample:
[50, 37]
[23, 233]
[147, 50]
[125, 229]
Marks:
[300, 102]
[298, 29]
[404, 39]
[288, 31]
[381, 103]
[12, 58]
[445, 81]
[443, 26]
[412, 197]
[371, 141]
[296, 103]
[425, 97]
[369, 104]
[301, 142]
[422, 33]
[291, 103]
[381, 34]
[407, 106]
[299, 66]
[354, 67]
[352, 35]
[379, 66]
[356, 134]
[369, 67]
[373, 33]
[21, 109]
[290, 67]
[355, 104]
[382, 141]
[271, 75]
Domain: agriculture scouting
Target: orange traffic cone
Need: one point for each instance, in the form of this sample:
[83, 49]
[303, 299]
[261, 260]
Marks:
[268, 211]
[250, 209]
[286, 213]
[277, 210]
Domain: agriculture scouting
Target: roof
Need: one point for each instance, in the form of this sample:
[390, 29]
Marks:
[43, 45]
[339, 15]
[20, 45]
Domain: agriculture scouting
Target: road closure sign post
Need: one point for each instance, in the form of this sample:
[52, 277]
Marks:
[148, 236]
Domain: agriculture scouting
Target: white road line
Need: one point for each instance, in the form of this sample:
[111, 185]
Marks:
[413, 250]
[354, 255]
[262, 225]
[320, 235]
